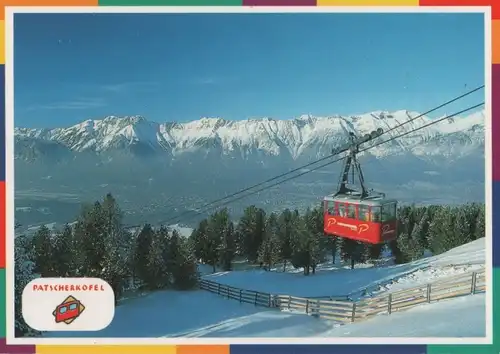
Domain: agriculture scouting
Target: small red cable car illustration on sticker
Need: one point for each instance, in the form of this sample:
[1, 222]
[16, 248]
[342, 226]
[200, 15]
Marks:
[68, 311]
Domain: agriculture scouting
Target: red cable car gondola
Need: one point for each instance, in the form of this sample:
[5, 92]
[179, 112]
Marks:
[363, 215]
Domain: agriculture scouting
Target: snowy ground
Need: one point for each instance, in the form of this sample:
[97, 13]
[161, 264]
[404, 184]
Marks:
[202, 314]
[331, 280]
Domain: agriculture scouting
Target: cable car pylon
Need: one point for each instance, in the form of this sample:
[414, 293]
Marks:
[361, 215]
[352, 164]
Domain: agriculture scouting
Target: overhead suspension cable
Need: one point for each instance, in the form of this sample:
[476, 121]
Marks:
[327, 157]
[337, 152]
[339, 159]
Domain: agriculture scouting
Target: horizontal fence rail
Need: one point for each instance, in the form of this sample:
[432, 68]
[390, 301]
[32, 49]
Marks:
[342, 310]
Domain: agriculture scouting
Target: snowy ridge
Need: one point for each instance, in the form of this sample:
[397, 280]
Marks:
[305, 135]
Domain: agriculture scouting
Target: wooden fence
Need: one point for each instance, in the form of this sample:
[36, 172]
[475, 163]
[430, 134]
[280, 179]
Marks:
[344, 311]
[249, 296]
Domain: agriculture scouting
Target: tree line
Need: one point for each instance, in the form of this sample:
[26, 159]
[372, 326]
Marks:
[98, 245]
[292, 238]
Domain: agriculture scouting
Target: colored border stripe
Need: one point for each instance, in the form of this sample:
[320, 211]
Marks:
[3, 250]
[279, 2]
[495, 4]
[203, 349]
[169, 3]
[2, 122]
[44, 3]
[16, 349]
[368, 2]
[495, 42]
[496, 222]
[328, 349]
[106, 349]
[2, 42]
[495, 125]
[3, 305]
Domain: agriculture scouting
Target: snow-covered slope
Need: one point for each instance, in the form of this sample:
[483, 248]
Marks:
[203, 314]
[303, 136]
[339, 280]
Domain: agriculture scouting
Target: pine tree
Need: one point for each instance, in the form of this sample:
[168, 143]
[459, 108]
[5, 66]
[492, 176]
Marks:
[319, 244]
[480, 227]
[442, 230]
[373, 251]
[472, 212]
[269, 251]
[228, 247]
[415, 248]
[423, 230]
[180, 262]
[464, 225]
[64, 253]
[251, 232]
[396, 252]
[24, 268]
[435, 214]
[409, 247]
[23, 273]
[353, 251]
[199, 239]
[142, 249]
[90, 239]
[301, 241]
[43, 252]
[285, 236]
[156, 264]
[114, 267]
[333, 243]
[218, 225]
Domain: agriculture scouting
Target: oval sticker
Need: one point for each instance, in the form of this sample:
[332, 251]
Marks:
[68, 304]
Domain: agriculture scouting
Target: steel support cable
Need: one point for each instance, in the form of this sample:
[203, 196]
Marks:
[337, 160]
[216, 201]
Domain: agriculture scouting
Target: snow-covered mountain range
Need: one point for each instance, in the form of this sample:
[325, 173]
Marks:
[302, 137]
[158, 170]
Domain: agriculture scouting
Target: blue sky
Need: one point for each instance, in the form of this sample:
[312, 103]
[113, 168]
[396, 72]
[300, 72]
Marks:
[180, 67]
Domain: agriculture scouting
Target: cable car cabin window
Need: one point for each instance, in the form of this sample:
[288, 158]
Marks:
[341, 210]
[375, 214]
[329, 207]
[72, 306]
[351, 211]
[388, 212]
[363, 212]
[63, 309]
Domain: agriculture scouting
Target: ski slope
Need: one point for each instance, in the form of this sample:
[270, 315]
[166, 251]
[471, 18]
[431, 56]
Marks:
[202, 314]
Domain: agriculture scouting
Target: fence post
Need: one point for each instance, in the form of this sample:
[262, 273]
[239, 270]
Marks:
[228, 292]
[218, 289]
[241, 290]
[389, 304]
[473, 285]
[307, 306]
[353, 315]
[428, 293]
[289, 301]
[270, 301]
[255, 302]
